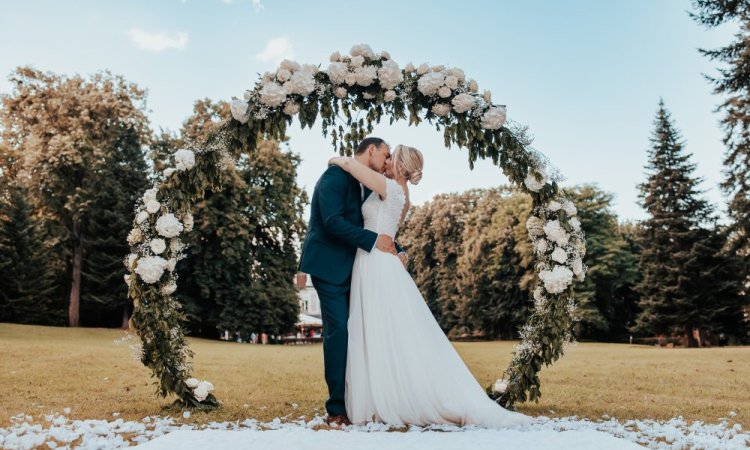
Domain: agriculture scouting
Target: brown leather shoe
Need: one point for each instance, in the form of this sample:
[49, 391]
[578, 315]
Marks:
[338, 421]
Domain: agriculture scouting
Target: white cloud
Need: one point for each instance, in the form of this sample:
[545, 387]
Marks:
[257, 5]
[276, 50]
[158, 41]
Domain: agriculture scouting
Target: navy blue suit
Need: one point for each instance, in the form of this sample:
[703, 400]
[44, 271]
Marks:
[334, 233]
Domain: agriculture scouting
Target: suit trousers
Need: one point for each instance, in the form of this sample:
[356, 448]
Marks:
[334, 306]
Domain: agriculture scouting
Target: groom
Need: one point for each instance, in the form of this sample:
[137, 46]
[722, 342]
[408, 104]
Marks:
[334, 233]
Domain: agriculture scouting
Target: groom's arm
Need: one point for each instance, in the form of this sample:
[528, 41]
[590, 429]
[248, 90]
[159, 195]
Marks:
[332, 189]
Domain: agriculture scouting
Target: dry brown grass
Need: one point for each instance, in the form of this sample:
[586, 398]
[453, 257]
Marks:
[46, 369]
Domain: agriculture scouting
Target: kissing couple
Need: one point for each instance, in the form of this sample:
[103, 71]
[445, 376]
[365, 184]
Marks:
[386, 358]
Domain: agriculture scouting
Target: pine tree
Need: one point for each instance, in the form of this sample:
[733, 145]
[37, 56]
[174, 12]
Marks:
[29, 281]
[733, 83]
[677, 214]
[612, 268]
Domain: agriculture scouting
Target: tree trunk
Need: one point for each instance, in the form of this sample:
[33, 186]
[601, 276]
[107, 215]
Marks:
[74, 307]
[691, 342]
[125, 317]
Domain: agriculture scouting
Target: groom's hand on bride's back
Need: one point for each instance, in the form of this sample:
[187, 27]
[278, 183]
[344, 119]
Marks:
[385, 244]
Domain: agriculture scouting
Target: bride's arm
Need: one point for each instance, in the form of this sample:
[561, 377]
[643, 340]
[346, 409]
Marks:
[373, 180]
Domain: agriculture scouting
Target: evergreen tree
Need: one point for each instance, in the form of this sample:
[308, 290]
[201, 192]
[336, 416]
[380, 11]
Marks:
[677, 213]
[612, 268]
[733, 83]
[29, 281]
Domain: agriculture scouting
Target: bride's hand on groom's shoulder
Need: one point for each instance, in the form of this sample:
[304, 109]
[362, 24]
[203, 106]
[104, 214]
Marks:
[337, 161]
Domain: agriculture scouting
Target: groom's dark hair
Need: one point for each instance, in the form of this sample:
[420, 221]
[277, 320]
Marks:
[366, 142]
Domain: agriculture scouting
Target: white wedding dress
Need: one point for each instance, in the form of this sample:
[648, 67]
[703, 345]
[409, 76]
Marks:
[401, 369]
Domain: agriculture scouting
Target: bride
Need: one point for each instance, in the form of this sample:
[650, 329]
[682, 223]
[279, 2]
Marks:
[401, 368]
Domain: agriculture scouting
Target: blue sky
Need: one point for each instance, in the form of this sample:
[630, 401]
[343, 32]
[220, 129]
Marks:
[585, 76]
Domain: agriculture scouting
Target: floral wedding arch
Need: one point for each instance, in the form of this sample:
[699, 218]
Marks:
[353, 93]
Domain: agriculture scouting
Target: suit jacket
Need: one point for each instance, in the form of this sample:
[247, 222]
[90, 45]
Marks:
[336, 228]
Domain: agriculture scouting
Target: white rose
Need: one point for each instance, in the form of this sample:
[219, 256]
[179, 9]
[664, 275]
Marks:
[240, 110]
[135, 236]
[494, 118]
[291, 108]
[554, 205]
[141, 217]
[153, 206]
[531, 181]
[289, 65]
[577, 266]
[366, 75]
[487, 96]
[456, 72]
[151, 268]
[535, 226]
[463, 103]
[267, 78]
[357, 61]
[351, 79]
[556, 280]
[423, 69]
[500, 387]
[340, 92]
[444, 92]
[441, 109]
[389, 96]
[559, 255]
[385, 55]
[410, 67]
[171, 264]
[312, 69]
[556, 233]
[169, 172]
[473, 86]
[201, 391]
[451, 81]
[176, 245]
[438, 68]
[335, 56]
[168, 226]
[362, 50]
[429, 83]
[368, 96]
[272, 94]
[158, 245]
[130, 261]
[192, 382]
[169, 288]
[150, 194]
[575, 223]
[541, 246]
[337, 72]
[184, 159]
[570, 208]
[283, 75]
[128, 279]
[390, 75]
[187, 221]
[247, 95]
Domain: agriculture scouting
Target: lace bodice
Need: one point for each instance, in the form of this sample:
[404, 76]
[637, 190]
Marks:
[383, 216]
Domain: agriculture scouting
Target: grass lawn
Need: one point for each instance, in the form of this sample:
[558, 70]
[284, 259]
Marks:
[46, 369]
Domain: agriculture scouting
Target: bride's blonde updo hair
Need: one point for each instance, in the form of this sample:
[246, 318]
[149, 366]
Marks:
[408, 163]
